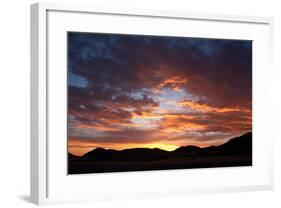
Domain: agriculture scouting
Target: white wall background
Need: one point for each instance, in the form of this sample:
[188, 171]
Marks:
[14, 103]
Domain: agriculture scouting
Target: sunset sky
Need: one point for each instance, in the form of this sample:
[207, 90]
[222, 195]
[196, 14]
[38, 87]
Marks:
[127, 91]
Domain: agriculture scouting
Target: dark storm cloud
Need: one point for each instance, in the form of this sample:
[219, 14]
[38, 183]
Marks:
[219, 70]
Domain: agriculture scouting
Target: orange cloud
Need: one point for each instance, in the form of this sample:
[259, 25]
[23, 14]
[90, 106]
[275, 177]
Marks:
[147, 115]
[175, 83]
[176, 116]
[179, 123]
[205, 107]
[170, 127]
[97, 127]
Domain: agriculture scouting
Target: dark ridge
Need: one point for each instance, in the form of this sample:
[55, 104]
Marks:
[235, 152]
[100, 154]
[237, 146]
[73, 157]
[187, 151]
[244, 141]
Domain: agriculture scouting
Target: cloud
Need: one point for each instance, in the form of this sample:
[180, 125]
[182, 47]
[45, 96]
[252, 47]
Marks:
[204, 107]
[133, 63]
[118, 91]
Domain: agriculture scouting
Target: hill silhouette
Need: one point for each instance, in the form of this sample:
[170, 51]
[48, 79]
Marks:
[238, 145]
[73, 157]
[134, 154]
[235, 152]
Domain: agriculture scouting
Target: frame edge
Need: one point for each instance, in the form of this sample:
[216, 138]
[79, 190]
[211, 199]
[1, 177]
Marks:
[38, 98]
[34, 154]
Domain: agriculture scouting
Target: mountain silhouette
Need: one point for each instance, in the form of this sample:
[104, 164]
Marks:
[235, 152]
[236, 146]
[73, 157]
[187, 151]
[243, 142]
[134, 154]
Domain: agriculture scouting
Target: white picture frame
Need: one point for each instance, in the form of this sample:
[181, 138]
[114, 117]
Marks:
[49, 180]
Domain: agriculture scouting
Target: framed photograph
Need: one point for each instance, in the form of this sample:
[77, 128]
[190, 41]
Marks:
[133, 103]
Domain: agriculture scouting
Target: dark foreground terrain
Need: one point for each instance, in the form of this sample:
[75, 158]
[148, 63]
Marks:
[235, 152]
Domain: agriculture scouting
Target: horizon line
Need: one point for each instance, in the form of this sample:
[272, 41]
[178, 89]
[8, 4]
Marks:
[157, 147]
